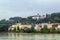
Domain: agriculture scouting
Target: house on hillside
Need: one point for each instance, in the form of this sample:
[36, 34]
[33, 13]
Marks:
[38, 17]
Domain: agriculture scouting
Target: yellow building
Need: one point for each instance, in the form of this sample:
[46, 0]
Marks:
[49, 26]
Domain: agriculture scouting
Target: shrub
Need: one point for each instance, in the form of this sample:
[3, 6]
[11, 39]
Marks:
[45, 29]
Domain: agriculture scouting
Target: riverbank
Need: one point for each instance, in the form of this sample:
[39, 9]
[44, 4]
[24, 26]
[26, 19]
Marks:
[28, 33]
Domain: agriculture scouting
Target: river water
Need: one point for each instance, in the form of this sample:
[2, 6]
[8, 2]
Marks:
[30, 36]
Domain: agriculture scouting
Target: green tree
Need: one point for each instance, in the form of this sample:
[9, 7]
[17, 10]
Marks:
[45, 29]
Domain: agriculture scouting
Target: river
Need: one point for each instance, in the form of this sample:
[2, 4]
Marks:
[30, 36]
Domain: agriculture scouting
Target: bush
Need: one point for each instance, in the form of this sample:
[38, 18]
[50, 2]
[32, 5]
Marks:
[45, 29]
[4, 27]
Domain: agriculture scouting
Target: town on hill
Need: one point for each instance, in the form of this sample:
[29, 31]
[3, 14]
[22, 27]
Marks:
[49, 23]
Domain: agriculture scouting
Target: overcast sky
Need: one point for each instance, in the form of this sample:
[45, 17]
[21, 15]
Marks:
[24, 8]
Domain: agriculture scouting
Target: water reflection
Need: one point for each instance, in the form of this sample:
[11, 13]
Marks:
[30, 36]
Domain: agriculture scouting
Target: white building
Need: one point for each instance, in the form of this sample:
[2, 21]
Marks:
[58, 26]
[38, 17]
[38, 27]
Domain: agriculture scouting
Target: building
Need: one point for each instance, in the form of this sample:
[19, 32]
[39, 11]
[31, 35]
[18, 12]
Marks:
[49, 26]
[20, 26]
[38, 27]
[38, 17]
[59, 25]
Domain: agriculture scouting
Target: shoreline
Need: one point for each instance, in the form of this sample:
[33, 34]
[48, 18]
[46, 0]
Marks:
[28, 33]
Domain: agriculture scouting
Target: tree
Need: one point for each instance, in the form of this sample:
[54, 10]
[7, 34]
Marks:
[45, 29]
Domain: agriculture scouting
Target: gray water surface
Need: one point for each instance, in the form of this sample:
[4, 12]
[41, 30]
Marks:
[30, 36]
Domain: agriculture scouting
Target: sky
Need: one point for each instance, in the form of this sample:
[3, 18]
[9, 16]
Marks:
[25, 8]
